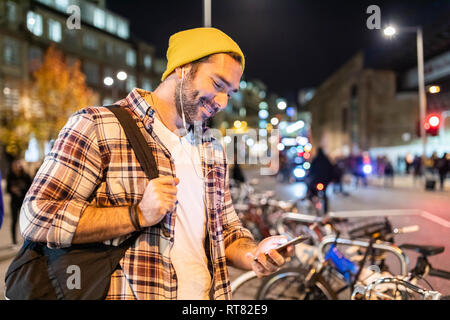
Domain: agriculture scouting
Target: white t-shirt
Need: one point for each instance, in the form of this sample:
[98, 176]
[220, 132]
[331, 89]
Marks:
[188, 252]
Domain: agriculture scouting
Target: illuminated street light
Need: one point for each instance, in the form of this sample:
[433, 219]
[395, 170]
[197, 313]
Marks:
[389, 31]
[108, 81]
[434, 89]
[274, 121]
[282, 105]
[122, 75]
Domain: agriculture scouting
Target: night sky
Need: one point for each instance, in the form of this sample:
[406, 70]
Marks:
[288, 44]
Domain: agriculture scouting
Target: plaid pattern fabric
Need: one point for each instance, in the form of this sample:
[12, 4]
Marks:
[92, 152]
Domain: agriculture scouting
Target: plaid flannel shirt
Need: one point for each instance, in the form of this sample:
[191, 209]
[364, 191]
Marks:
[92, 156]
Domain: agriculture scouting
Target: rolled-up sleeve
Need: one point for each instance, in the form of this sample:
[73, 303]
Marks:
[60, 191]
[233, 229]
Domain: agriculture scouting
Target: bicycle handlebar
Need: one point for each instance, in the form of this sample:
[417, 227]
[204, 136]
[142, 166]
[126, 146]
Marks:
[439, 273]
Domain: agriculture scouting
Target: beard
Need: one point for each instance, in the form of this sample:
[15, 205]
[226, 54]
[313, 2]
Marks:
[191, 102]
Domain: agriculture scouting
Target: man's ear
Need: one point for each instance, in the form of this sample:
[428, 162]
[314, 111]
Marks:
[183, 70]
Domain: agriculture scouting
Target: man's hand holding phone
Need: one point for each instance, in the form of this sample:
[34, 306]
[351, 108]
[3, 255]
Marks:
[267, 259]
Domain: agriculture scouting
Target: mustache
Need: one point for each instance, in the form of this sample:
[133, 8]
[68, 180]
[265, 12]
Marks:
[211, 104]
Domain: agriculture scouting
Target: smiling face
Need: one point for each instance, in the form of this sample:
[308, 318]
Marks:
[206, 87]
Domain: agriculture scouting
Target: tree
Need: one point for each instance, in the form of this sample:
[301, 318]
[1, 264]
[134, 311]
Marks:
[15, 128]
[60, 89]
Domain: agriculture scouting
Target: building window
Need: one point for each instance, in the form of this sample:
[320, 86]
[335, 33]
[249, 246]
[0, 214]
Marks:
[146, 84]
[147, 61]
[34, 23]
[11, 11]
[90, 42]
[34, 58]
[131, 82]
[99, 18]
[71, 37]
[54, 30]
[131, 58]
[11, 51]
[120, 53]
[122, 29]
[62, 5]
[110, 23]
[109, 49]
[91, 71]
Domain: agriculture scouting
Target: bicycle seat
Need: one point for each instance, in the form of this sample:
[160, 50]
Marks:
[424, 250]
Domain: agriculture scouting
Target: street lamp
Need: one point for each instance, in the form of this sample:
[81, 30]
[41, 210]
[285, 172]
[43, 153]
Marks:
[109, 82]
[391, 31]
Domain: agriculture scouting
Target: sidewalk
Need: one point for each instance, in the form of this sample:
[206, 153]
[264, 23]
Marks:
[407, 182]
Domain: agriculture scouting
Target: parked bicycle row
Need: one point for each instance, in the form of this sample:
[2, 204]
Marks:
[338, 259]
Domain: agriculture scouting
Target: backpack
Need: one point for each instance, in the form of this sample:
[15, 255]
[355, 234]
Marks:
[40, 273]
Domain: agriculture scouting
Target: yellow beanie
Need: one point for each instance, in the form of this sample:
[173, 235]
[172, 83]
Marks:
[190, 45]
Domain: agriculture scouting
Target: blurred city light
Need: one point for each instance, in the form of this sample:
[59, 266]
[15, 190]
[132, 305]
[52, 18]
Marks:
[299, 172]
[274, 121]
[308, 147]
[320, 186]
[283, 125]
[306, 165]
[282, 105]
[250, 142]
[243, 84]
[262, 124]
[280, 147]
[122, 75]
[302, 140]
[296, 126]
[263, 114]
[237, 124]
[227, 139]
[108, 81]
[434, 121]
[263, 105]
[389, 31]
[367, 168]
[289, 142]
[434, 89]
[290, 112]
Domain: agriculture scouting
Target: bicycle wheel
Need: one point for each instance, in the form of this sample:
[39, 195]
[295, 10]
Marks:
[245, 286]
[290, 284]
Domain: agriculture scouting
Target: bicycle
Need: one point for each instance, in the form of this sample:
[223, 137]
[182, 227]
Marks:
[406, 288]
[331, 268]
[306, 253]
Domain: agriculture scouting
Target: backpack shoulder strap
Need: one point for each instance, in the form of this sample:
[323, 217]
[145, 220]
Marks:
[137, 141]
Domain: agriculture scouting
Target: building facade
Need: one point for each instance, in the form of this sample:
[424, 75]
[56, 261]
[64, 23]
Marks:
[102, 43]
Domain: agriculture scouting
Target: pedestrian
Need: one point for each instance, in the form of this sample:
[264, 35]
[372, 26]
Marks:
[17, 184]
[388, 174]
[417, 168]
[443, 167]
[190, 231]
[321, 171]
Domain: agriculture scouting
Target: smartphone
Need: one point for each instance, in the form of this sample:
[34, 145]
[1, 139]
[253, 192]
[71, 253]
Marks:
[289, 243]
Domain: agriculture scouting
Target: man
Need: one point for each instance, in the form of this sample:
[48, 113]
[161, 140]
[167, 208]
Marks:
[321, 171]
[190, 229]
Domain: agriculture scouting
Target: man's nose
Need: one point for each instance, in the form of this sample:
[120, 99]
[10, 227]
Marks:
[221, 100]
